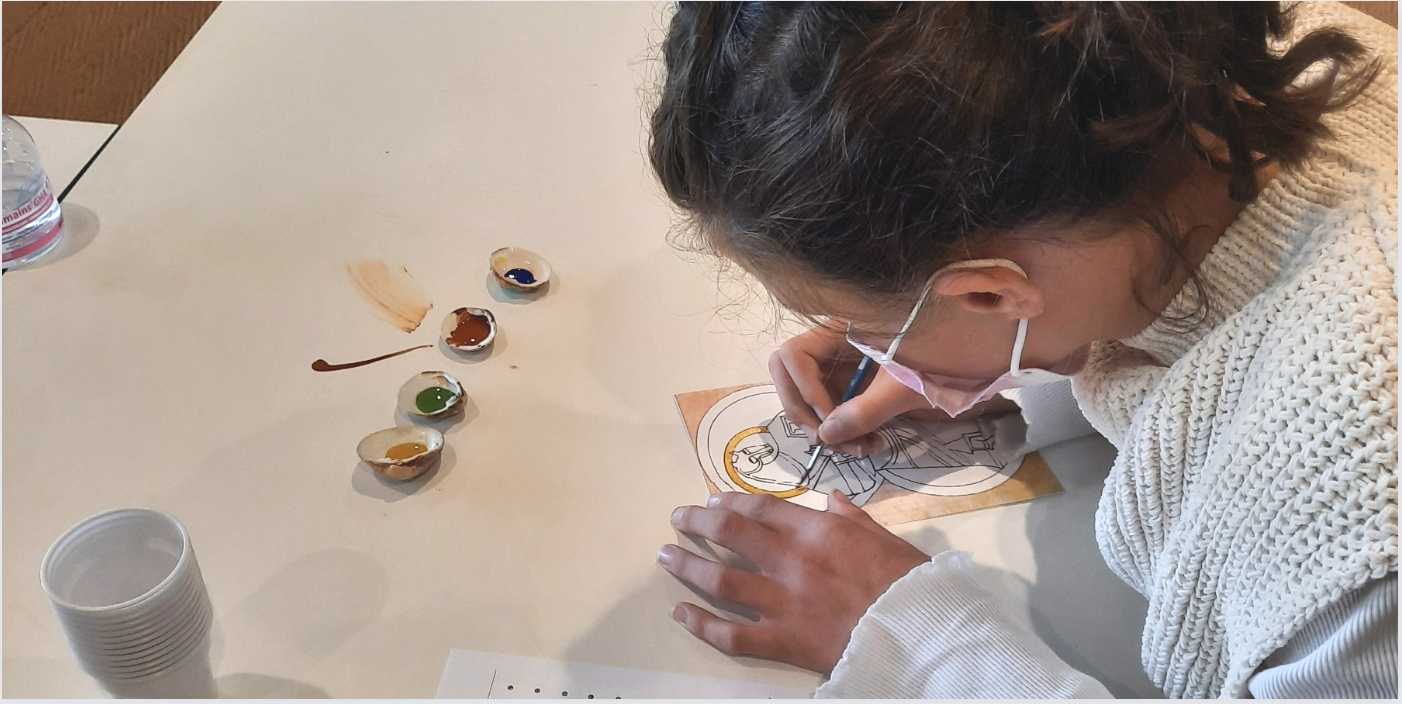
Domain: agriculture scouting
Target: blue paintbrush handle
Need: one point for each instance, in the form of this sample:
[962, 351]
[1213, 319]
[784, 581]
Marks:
[860, 377]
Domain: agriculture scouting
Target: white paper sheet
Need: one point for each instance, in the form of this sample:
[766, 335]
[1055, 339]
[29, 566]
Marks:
[472, 674]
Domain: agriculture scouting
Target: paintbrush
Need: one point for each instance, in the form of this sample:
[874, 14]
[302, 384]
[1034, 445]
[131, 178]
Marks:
[858, 379]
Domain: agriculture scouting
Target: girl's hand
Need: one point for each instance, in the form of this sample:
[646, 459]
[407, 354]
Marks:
[812, 370]
[818, 573]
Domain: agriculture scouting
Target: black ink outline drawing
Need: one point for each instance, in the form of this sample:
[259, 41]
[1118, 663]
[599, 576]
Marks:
[942, 459]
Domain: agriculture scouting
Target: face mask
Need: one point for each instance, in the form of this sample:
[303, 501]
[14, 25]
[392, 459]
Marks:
[954, 395]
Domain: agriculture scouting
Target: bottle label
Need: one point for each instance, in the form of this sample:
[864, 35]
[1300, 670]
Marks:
[15, 224]
[37, 206]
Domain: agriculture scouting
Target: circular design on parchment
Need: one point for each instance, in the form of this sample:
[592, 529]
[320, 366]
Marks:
[732, 447]
[739, 453]
[961, 463]
[745, 443]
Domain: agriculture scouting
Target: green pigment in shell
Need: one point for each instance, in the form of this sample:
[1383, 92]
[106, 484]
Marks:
[434, 399]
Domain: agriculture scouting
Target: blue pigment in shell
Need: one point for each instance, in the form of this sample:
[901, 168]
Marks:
[521, 276]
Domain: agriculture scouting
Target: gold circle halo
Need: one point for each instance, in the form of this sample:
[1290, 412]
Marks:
[735, 475]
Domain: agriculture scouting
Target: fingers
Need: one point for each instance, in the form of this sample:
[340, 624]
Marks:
[721, 581]
[728, 637]
[729, 529]
[800, 369]
[766, 512]
[839, 504]
[885, 399]
[862, 446]
[796, 407]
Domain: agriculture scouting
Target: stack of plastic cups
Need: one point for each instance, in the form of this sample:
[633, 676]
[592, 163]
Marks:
[130, 598]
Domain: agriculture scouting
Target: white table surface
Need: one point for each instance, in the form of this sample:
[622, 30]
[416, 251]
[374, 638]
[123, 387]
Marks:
[166, 364]
[65, 146]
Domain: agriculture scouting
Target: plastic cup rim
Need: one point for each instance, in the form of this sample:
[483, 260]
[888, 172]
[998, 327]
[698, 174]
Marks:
[185, 618]
[139, 676]
[161, 632]
[181, 564]
[185, 602]
[142, 668]
[173, 591]
[138, 633]
[173, 650]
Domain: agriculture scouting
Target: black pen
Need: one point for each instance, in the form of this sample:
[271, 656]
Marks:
[858, 378]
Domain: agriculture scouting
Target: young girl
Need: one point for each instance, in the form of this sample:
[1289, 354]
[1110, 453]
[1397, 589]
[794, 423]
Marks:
[1189, 208]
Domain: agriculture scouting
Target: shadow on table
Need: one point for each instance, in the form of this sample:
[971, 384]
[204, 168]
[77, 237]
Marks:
[501, 294]
[446, 424]
[1091, 618]
[367, 483]
[247, 685]
[80, 227]
[639, 624]
[298, 617]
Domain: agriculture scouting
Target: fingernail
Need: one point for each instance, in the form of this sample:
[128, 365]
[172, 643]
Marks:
[666, 555]
[714, 501]
[679, 614]
[677, 515]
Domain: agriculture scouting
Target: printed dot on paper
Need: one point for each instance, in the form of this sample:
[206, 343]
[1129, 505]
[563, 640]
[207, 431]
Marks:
[510, 687]
[537, 690]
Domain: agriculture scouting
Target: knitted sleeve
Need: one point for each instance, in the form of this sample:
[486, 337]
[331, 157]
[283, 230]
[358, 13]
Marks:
[1111, 408]
[1373, 33]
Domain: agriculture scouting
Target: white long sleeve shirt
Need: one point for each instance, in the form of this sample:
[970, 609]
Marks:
[938, 634]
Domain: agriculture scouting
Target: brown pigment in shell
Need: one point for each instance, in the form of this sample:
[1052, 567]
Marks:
[472, 329]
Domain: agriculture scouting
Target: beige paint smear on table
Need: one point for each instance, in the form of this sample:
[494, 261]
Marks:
[393, 293]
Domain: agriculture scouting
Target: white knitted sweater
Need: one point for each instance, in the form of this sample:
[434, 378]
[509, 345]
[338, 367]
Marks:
[1256, 480]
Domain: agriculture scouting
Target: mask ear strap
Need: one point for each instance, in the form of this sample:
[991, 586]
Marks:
[896, 343]
[925, 293]
[1017, 346]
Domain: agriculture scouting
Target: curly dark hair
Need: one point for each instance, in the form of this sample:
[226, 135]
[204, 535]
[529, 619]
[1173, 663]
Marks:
[866, 144]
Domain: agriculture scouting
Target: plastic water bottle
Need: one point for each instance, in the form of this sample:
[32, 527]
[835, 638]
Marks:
[33, 220]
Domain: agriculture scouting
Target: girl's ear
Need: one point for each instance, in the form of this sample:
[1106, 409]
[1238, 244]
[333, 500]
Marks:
[993, 290]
